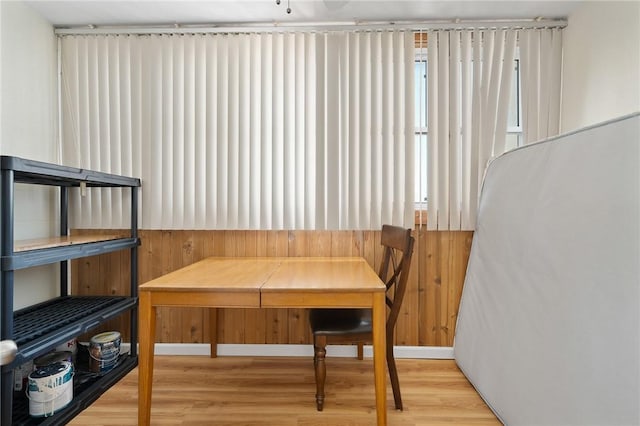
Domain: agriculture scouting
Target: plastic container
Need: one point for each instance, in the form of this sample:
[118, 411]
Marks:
[104, 350]
[50, 389]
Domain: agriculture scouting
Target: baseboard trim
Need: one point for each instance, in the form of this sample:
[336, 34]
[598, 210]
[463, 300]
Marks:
[226, 349]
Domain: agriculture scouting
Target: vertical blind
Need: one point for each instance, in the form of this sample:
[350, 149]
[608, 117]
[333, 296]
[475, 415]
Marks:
[296, 130]
[469, 83]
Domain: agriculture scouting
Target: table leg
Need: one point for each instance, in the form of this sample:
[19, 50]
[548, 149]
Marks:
[213, 331]
[379, 356]
[147, 326]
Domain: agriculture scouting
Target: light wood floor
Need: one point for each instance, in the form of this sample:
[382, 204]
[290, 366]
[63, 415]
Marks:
[197, 390]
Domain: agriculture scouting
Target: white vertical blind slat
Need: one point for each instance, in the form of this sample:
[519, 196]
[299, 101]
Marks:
[254, 130]
[289, 140]
[363, 110]
[200, 134]
[455, 186]
[178, 145]
[278, 133]
[466, 66]
[267, 135]
[103, 104]
[233, 132]
[149, 87]
[504, 93]
[345, 158]
[376, 128]
[113, 198]
[126, 156]
[300, 139]
[476, 122]
[210, 115]
[320, 188]
[443, 131]
[405, 122]
[310, 57]
[492, 54]
[332, 135]
[244, 137]
[523, 39]
[189, 133]
[396, 123]
[83, 145]
[544, 44]
[355, 159]
[555, 82]
[166, 100]
[388, 107]
[139, 121]
[222, 111]
[95, 120]
[432, 125]
[530, 85]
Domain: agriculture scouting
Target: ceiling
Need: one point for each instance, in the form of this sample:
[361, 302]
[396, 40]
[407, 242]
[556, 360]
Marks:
[63, 13]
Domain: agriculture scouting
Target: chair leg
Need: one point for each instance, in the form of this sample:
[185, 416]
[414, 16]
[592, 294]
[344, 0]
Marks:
[393, 375]
[360, 351]
[320, 351]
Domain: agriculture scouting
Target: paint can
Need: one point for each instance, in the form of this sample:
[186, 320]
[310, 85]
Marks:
[51, 358]
[50, 389]
[104, 350]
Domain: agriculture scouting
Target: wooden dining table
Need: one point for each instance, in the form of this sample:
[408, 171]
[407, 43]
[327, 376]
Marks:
[264, 282]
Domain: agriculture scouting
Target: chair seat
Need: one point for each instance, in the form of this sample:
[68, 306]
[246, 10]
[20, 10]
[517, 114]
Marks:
[336, 322]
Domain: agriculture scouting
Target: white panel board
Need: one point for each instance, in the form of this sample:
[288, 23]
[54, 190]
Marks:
[549, 324]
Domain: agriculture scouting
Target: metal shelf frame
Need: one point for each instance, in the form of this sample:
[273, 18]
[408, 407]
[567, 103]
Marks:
[33, 339]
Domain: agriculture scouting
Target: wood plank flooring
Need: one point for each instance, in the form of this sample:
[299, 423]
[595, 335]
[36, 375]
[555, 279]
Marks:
[197, 390]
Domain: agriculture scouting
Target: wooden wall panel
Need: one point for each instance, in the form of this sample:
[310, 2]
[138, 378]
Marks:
[407, 325]
[428, 315]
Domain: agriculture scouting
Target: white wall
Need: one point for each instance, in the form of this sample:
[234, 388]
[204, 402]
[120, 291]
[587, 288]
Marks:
[28, 128]
[601, 63]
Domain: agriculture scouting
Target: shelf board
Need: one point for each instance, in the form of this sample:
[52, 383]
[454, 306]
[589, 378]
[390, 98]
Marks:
[40, 328]
[67, 240]
[57, 253]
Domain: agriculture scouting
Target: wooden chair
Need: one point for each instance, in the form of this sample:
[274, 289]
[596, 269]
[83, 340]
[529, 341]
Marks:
[331, 326]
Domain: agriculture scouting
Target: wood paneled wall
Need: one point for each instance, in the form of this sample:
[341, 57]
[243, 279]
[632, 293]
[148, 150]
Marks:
[428, 314]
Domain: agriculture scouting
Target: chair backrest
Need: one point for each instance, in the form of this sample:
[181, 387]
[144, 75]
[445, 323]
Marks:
[394, 269]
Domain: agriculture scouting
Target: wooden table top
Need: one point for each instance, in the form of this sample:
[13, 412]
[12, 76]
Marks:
[271, 274]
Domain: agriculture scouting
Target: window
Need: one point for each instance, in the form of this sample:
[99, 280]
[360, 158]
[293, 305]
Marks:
[514, 123]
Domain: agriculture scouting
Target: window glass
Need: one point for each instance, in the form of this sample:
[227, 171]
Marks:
[420, 79]
[421, 170]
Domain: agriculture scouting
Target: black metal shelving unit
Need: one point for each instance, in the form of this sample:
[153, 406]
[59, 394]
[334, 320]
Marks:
[38, 329]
